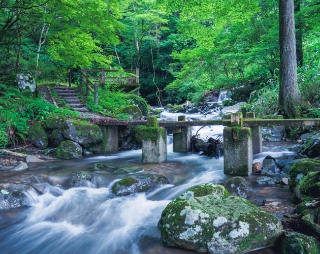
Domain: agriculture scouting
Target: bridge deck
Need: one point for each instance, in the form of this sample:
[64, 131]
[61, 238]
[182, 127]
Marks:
[249, 122]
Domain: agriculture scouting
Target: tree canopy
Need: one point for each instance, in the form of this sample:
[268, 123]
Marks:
[182, 48]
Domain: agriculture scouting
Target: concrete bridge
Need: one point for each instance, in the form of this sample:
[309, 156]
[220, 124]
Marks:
[242, 137]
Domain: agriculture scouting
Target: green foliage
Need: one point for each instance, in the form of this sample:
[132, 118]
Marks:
[111, 99]
[3, 136]
[19, 109]
[228, 102]
[264, 101]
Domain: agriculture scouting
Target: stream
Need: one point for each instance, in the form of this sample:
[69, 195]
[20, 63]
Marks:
[91, 219]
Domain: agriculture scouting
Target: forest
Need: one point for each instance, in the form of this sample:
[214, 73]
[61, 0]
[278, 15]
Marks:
[183, 49]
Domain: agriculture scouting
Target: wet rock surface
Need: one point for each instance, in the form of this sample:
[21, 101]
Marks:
[207, 218]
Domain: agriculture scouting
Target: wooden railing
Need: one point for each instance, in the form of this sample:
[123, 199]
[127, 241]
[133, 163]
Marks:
[92, 83]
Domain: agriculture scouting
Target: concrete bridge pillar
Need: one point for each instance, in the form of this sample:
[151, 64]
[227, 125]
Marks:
[181, 137]
[256, 135]
[237, 141]
[154, 142]
[110, 138]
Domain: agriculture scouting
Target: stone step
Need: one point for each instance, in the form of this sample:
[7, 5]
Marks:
[76, 105]
[81, 109]
[67, 95]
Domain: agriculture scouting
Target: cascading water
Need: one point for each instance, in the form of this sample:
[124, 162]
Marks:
[93, 220]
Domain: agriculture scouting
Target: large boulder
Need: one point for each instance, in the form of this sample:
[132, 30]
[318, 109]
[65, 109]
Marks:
[138, 183]
[309, 186]
[295, 243]
[311, 145]
[53, 123]
[55, 138]
[68, 150]
[132, 111]
[207, 218]
[38, 136]
[300, 169]
[84, 133]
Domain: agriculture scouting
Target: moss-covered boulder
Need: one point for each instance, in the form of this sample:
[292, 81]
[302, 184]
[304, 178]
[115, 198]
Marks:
[295, 243]
[138, 183]
[84, 133]
[55, 138]
[68, 150]
[38, 136]
[300, 169]
[81, 179]
[207, 218]
[133, 111]
[114, 170]
[53, 123]
[311, 146]
[237, 186]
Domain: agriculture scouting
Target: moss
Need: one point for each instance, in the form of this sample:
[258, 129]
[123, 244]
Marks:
[152, 121]
[128, 181]
[53, 123]
[152, 134]
[302, 167]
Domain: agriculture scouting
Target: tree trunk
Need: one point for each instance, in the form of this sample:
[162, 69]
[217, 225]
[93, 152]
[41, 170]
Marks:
[289, 94]
[297, 4]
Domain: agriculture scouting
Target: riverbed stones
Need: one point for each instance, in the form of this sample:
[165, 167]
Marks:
[68, 150]
[207, 218]
[138, 183]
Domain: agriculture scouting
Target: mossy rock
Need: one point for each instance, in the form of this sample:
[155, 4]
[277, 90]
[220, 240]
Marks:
[309, 186]
[53, 123]
[138, 183]
[237, 186]
[115, 170]
[38, 136]
[84, 133]
[207, 218]
[300, 169]
[68, 150]
[55, 138]
[296, 243]
[133, 111]
[81, 179]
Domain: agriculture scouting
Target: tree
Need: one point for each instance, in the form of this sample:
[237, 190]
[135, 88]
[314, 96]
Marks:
[289, 94]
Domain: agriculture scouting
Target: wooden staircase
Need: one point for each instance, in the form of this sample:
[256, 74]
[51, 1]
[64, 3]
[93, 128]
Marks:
[70, 96]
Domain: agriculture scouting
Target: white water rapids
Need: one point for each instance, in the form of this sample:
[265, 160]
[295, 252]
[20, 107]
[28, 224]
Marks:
[92, 220]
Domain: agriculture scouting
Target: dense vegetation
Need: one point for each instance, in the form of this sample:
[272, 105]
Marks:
[183, 50]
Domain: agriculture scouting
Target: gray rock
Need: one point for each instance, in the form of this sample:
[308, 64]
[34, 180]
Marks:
[237, 186]
[68, 150]
[38, 136]
[84, 133]
[32, 158]
[138, 183]
[207, 218]
[22, 166]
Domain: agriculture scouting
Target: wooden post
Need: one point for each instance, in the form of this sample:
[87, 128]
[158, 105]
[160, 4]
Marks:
[95, 93]
[103, 74]
[137, 73]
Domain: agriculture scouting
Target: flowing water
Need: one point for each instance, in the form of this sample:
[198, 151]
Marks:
[93, 220]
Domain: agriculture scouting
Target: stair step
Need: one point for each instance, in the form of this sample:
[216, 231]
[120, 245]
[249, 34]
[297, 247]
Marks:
[81, 109]
[66, 95]
[76, 105]
[68, 100]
